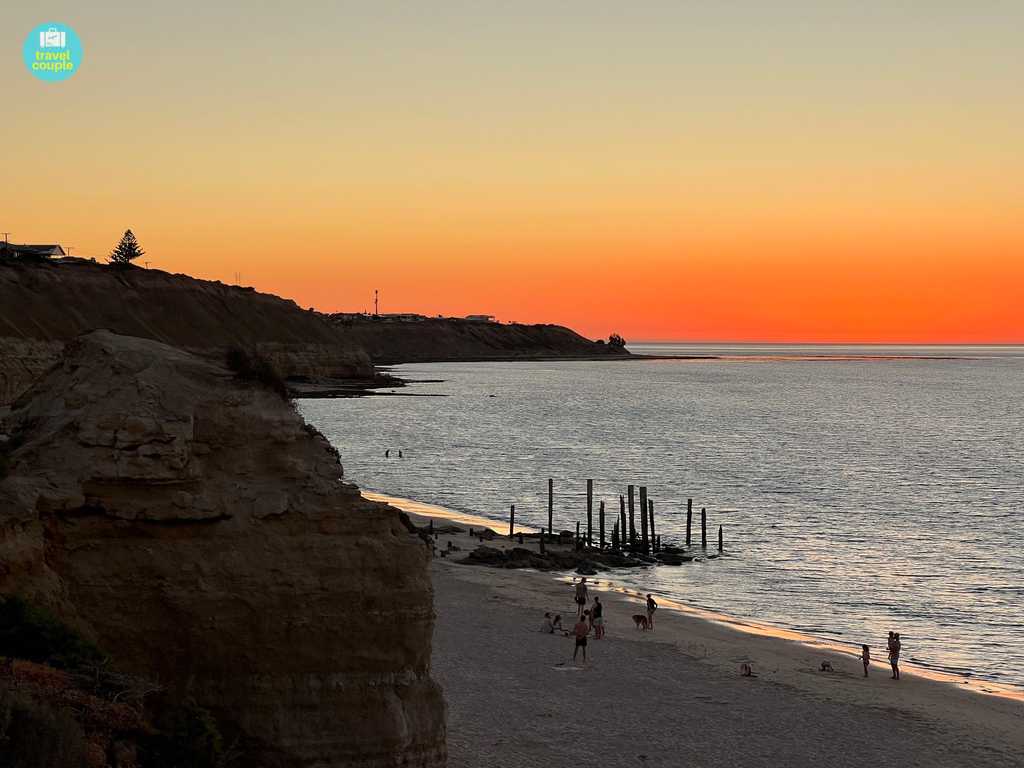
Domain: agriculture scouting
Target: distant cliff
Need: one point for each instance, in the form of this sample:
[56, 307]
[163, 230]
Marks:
[194, 528]
[390, 341]
[45, 304]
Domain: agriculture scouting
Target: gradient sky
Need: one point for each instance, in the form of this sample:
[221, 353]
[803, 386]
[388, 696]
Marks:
[668, 170]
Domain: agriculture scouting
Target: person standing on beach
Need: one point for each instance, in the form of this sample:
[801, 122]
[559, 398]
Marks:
[651, 608]
[580, 632]
[895, 646]
[581, 596]
[865, 656]
[597, 618]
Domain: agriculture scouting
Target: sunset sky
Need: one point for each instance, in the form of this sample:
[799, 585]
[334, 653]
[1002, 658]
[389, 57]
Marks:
[785, 171]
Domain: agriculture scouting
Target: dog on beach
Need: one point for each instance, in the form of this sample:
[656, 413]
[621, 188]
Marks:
[826, 666]
[641, 621]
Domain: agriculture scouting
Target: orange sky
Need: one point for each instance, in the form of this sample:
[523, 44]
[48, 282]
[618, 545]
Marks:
[734, 173]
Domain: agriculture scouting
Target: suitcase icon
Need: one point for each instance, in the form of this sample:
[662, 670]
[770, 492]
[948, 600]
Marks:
[52, 38]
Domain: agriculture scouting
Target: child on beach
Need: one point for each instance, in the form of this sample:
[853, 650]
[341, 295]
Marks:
[546, 626]
[556, 625]
[597, 618]
[580, 631]
[865, 657]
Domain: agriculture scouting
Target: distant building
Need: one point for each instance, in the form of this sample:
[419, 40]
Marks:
[17, 251]
[481, 318]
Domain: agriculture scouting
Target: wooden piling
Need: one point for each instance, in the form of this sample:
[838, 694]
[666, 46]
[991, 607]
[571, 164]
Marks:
[703, 528]
[622, 522]
[512, 521]
[577, 535]
[590, 513]
[650, 510]
[551, 506]
[632, 520]
[601, 523]
[719, 538]
[615, 536]
[542, 531]
[644, 542]
[689, 519]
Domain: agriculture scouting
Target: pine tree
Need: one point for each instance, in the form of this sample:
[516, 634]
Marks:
[127, 250]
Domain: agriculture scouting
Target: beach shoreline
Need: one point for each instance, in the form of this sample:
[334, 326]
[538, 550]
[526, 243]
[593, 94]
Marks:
[676, 695]
[422, 512]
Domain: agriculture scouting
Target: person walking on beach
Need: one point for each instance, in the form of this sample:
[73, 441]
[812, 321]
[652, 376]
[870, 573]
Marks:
[580, 632]
[651, 608]
[895, 646]
[581, 596]
[865, 657]
[597, 618]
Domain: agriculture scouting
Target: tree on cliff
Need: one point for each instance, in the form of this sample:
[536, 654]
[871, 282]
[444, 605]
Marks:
[616, 341]
[127, 250]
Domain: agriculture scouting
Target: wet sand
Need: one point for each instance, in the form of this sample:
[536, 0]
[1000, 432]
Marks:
[675, 696]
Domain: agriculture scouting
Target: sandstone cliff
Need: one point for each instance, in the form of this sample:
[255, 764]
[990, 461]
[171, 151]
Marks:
[199, 531]
[45, 304]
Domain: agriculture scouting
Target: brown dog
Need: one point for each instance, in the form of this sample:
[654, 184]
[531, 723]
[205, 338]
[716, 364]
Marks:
[641, 621]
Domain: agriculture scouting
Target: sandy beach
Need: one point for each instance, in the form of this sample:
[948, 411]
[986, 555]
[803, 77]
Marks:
[675, 696]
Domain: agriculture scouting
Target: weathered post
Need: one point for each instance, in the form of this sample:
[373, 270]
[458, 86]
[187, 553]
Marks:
[703, 528]
[590, 513]
[551, 506]
[512, 521]
[644, 542]
[601, 523]
[615, 536]
[431, 531]
[719, 538]
[622, 521]
[654, 539]
[632, 519]
[542, 530]
[577, 535]
[689, 519]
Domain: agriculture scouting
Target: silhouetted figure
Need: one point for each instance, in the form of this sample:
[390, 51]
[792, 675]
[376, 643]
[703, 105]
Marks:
[865, 657]
[651, 608]
[387, 454]
[597, 618]
[581, 596]
[895, 646]
[581, 630]
[399, 454]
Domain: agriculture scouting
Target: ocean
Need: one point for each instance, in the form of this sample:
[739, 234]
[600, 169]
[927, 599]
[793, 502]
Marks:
[860, 489]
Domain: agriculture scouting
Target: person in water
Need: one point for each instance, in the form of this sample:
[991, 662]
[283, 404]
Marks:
[895, 646]
[865, 657]
[581, 596]
[580, 631]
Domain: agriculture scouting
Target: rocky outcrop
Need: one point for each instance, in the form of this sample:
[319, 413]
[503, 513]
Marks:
[45, 304]
[197, 530]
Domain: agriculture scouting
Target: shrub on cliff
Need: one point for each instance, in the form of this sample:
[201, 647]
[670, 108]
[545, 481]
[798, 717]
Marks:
[251, 366]
[616, 342]
[32, 633]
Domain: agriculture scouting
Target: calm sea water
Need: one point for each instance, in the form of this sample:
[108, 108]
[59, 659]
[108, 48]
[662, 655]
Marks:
[858, 496]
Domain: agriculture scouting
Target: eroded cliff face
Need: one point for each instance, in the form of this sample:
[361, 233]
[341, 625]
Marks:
[44, 305]
[200, 532]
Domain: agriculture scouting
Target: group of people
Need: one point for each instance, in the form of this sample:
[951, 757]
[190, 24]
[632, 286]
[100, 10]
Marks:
[588, 620]
[894, 645]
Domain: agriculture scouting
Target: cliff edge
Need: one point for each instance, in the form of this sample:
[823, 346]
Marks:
[195, 528]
